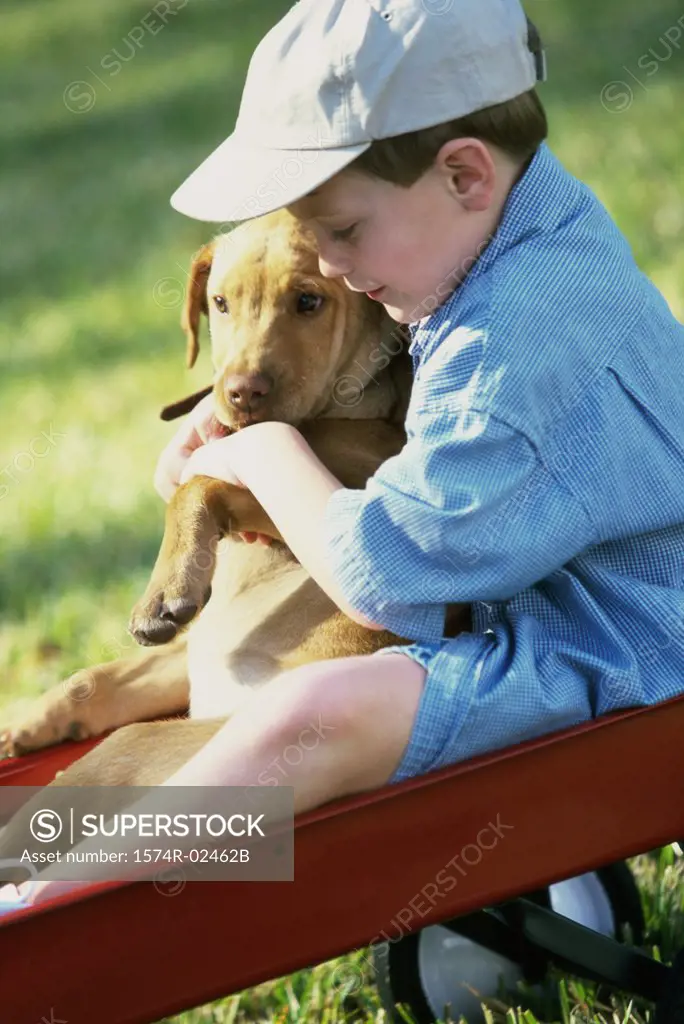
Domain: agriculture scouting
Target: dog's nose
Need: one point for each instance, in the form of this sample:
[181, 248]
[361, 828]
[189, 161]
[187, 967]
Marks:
[247, 390]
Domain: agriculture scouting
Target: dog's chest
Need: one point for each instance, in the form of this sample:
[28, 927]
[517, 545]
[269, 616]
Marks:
[262, 608]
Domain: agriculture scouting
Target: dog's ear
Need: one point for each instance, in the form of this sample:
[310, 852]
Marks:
[196, 299]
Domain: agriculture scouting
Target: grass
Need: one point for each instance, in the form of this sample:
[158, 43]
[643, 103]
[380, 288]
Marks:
[92, 272]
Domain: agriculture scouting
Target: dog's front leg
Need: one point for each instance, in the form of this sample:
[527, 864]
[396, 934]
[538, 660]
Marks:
[199, 515]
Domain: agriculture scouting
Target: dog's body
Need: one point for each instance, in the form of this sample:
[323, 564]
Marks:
[290, 337]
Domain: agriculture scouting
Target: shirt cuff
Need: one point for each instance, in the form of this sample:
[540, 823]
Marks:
[352, 567]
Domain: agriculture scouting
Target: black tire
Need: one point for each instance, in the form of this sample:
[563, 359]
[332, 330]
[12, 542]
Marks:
[625, 899]
[398, 979]
[397, 969]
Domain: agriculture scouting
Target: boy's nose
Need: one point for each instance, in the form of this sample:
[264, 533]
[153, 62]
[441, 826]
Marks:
[333, 266]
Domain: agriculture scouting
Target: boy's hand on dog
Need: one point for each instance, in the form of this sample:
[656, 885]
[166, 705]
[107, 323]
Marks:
[212, 459]
[175, 465]
[191, 435]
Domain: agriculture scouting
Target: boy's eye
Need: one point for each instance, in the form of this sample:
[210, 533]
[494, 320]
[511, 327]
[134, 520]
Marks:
[307, 302]
[220, 303]
[342, 234]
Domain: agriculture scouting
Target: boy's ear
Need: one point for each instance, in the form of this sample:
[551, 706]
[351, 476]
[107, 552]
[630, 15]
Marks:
[196, 300]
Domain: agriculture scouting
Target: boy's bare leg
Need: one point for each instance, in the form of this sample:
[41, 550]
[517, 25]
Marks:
[328, 729]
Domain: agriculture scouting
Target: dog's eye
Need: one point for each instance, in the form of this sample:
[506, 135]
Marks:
[220, 303]
[307, 302]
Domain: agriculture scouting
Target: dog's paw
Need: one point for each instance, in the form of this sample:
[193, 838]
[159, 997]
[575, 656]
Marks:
[56, 716]
[157, 619]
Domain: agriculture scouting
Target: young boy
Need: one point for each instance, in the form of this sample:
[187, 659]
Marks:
[543, 475]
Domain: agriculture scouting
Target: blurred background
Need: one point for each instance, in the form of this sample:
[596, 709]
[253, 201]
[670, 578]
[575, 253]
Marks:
[104, 109]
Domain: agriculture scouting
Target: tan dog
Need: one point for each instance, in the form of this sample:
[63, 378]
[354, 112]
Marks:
[290, 345]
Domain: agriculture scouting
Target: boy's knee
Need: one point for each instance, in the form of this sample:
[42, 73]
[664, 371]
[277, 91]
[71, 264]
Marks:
[350, 696]
[319, 701]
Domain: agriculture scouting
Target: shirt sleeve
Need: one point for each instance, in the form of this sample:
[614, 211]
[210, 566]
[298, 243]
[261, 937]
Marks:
[467, 511]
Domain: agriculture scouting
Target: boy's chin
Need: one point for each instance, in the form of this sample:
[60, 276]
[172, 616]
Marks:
[398, 313]
[405, 309]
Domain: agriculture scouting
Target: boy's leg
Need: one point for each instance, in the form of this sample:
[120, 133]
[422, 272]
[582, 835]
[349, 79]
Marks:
[329, 729]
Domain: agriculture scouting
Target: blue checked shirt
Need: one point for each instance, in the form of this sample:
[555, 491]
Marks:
[542, 479]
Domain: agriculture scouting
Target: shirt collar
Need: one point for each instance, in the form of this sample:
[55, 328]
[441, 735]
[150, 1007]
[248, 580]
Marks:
[538, 202]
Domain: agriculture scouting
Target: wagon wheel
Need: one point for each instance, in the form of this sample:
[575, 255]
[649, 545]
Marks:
[431, 968]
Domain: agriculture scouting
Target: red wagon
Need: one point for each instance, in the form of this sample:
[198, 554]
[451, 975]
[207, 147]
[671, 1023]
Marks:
[565, 807]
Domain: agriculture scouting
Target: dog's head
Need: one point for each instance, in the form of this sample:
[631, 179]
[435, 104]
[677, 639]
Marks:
[287, 343]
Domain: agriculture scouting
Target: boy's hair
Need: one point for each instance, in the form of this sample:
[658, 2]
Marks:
[517, 127]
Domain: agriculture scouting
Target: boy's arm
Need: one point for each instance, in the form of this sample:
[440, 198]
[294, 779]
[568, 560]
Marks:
[467, 511]
[274, 462]
[294, 487]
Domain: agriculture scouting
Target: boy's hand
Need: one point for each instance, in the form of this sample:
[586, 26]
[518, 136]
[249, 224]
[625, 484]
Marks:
[200, 427]
[212, 459]
[194, 431]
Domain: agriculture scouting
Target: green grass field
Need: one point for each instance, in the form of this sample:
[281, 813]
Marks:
[104, 112]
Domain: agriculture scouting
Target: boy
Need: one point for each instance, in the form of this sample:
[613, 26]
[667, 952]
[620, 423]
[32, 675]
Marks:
[543, 476]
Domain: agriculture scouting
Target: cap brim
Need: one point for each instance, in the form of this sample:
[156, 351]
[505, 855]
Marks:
[237, 181]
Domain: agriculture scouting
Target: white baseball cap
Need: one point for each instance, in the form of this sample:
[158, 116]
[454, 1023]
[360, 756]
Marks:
[333, 75]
